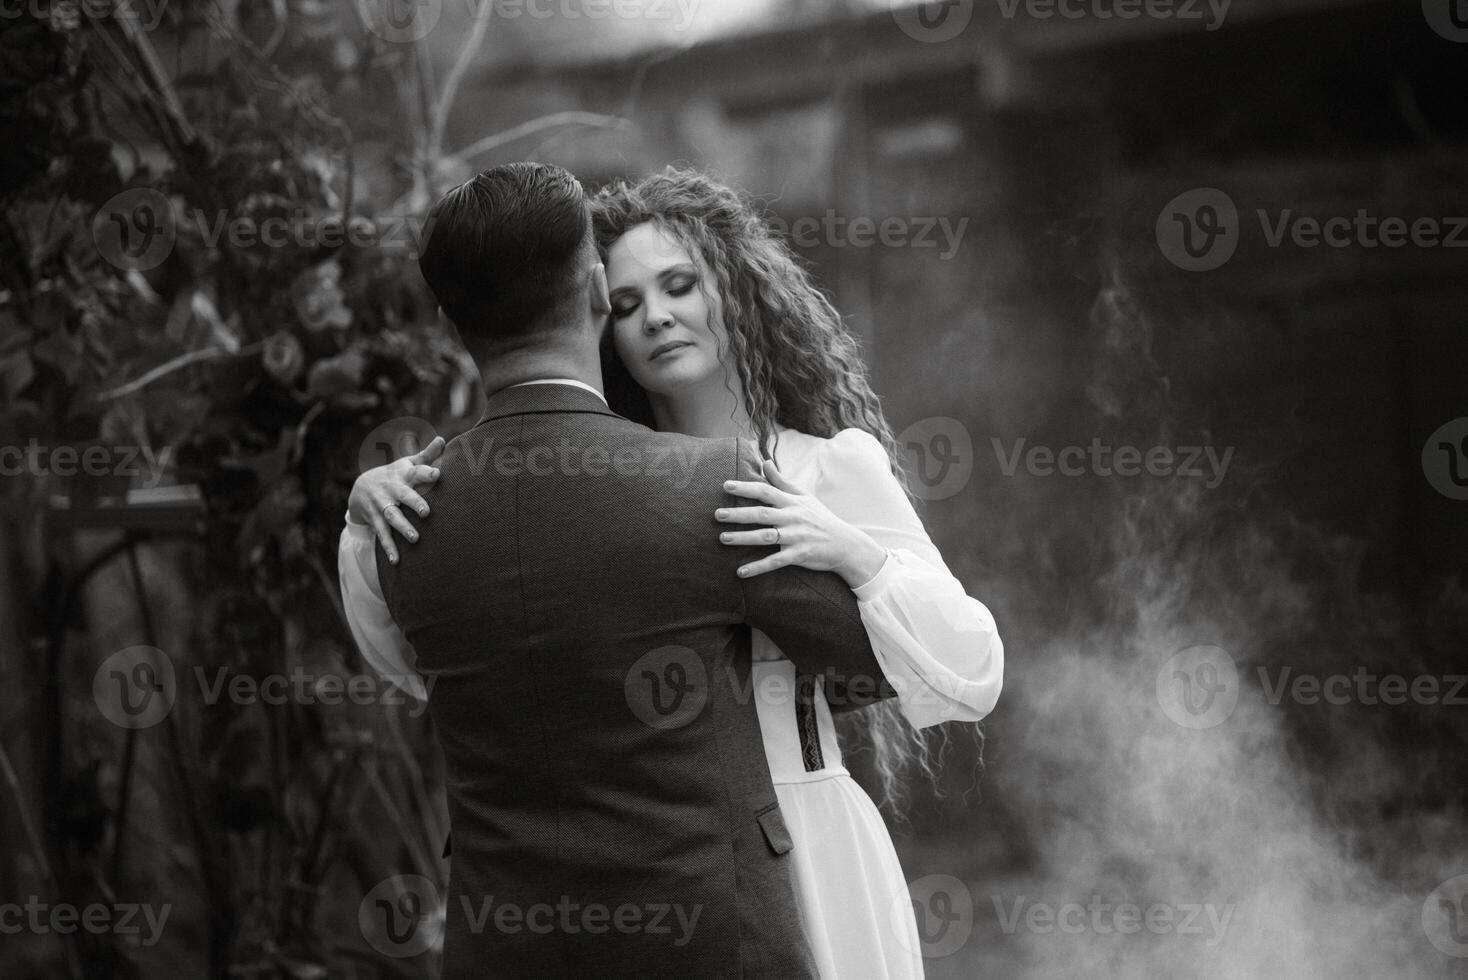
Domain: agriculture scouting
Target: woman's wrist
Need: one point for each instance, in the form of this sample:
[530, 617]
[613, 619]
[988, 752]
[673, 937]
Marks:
[865, 561]
[357, 507]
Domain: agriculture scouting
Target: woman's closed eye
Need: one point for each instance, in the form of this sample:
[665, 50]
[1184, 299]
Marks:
[680, 285]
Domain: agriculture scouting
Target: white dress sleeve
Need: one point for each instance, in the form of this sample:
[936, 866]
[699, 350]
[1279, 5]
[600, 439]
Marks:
[382, 644]
[937, 645]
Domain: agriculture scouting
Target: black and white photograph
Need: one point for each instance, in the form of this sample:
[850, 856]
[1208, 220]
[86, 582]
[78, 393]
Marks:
[734, 489]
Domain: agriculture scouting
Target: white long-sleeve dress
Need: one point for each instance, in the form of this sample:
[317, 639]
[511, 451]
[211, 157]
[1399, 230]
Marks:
[938, 646]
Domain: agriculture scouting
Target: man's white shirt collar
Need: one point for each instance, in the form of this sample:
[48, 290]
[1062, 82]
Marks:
[563, 381]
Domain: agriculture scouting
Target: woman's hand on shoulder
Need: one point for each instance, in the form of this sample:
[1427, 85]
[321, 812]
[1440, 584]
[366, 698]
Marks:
[380, 495]
[805, 530]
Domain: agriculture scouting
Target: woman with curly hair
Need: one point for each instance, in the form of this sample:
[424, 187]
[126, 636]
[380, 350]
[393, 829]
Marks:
[716, 330]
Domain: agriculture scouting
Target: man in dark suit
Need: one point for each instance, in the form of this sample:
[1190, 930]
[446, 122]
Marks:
[611, 808]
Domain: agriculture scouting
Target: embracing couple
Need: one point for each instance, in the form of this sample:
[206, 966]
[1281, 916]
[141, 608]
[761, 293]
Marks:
[634, 668]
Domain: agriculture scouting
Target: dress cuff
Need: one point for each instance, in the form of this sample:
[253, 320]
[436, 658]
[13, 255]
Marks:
[877, 584]
[355, 525]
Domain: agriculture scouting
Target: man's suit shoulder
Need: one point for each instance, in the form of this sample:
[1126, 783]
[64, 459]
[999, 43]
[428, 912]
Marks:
[704, 463]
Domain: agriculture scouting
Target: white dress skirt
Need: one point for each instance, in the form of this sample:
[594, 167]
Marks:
[847, 878]
[937, 646]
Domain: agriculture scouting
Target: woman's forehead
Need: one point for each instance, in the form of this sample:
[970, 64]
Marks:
[650, 246]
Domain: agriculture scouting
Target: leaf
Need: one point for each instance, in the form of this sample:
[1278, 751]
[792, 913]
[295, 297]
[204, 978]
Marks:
[175, 415]
[270, 466]
[60, 349]
[16, 372]
[336, 375]
[223, 334]
[302, 970]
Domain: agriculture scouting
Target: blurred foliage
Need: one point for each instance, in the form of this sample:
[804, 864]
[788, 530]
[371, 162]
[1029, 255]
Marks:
[263, 367]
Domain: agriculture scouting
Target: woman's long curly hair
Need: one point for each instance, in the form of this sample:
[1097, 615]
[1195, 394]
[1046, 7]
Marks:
[797, 364]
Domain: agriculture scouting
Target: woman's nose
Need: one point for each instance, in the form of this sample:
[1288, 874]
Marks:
[657, 319]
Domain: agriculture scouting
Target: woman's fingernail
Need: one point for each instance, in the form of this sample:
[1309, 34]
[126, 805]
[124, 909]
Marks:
[721, 513]
[392, 556]
[723, 537]
[728, 484]
[412, 537]
[423, 512]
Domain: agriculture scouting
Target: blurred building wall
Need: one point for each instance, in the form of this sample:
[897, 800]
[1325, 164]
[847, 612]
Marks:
[1054, 146]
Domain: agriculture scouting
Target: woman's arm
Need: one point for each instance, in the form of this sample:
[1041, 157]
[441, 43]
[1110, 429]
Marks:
[375, 505]
[378, 638]
[937, 645]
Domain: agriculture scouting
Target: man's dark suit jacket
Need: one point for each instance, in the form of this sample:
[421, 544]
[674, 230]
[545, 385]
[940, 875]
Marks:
[611, 807]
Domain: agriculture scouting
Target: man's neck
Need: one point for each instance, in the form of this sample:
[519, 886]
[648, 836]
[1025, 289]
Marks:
[519, 367]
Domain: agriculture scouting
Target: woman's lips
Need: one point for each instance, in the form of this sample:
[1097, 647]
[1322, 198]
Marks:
[668, 347]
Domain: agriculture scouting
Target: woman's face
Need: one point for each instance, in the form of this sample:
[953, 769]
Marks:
[664, 329]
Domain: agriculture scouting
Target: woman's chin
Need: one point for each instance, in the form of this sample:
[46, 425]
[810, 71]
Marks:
[673, 378]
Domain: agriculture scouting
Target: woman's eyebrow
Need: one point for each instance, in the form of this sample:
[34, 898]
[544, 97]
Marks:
[678, 268]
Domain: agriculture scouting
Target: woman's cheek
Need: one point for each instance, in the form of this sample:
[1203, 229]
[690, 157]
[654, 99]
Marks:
[622, 332]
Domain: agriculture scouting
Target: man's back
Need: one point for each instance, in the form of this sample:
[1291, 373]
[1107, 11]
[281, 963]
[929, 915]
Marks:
[611, 806]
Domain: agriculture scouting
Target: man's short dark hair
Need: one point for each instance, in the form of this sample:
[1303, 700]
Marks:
[505, 252]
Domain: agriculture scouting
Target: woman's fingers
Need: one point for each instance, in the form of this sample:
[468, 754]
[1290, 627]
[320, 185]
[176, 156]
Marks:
[410, 500]
[429, 452]
[750, 515]
[421, 473]
[384, 536]
[765, 536]
[755, 491]
[778, 560]
[392, 512]
[778, 480]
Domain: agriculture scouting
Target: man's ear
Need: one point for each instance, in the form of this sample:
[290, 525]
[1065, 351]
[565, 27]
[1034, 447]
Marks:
[601, 301]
